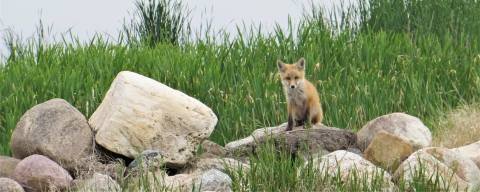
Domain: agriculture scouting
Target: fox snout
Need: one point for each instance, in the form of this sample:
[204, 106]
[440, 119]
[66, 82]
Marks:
[291, 85]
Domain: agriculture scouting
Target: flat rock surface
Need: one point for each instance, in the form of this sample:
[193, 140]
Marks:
[318, 138]
[471, 151]
[387, 150]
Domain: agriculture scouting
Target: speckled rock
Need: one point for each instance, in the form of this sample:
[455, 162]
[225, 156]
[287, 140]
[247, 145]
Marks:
[38, 172]
[10, 185]
[7, 165]
[56, 130]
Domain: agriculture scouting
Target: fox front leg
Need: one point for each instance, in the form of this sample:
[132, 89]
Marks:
[290, 121]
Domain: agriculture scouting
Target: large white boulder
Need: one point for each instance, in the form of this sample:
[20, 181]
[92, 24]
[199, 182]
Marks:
[447, 168]
[139, 113]
[403, 125]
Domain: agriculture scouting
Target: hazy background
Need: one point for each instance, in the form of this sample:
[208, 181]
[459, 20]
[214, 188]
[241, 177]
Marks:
[87, 17]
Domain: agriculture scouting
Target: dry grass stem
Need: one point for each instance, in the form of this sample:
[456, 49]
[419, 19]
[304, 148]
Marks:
[458, 127]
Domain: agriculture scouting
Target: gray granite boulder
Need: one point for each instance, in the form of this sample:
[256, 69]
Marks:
[56, 130]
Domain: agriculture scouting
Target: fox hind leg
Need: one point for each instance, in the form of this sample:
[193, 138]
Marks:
[317, 115]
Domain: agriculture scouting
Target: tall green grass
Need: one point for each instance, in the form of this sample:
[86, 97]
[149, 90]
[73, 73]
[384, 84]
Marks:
[456, 19]
[409, 56]
[155, 22]
[360, 75]
[378, 65]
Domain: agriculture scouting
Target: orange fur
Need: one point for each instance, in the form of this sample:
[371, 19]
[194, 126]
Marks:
[302, 97]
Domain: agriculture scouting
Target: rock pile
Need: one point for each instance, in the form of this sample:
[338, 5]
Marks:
[156, 131]
[53, 142]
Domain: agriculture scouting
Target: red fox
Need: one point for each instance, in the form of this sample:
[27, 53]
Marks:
[302, 97]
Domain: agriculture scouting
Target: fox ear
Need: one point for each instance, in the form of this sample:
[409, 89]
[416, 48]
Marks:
[301, 64]
[281, 66]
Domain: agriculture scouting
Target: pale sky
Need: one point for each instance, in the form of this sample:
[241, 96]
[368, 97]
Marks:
[87, 17]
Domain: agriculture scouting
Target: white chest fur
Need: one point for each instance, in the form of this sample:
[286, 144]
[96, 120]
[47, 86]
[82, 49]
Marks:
[297, 99]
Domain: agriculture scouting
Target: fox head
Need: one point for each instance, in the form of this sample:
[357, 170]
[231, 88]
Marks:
[292, 74]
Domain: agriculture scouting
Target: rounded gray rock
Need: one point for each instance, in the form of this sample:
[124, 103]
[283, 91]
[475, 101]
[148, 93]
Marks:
[403, 125]
[7, 165]
[214, 180]
[56, 130]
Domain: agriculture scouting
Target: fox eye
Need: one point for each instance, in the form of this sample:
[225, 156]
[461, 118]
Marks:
[296, 77]
[288, 78]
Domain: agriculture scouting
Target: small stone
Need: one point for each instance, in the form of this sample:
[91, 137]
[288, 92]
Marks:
[212, 148]
[10, 185]
[37, 172]
[7, 165]
[99, 182]
[151, 159]
[214, 180]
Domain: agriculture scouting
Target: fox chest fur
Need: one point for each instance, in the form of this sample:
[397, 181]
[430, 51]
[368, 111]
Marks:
[297, 98]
